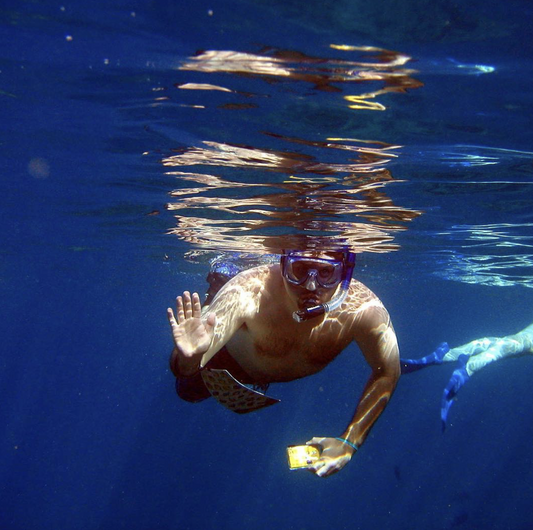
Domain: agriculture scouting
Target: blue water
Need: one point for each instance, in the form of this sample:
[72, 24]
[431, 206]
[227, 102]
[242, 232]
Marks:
[94, 246]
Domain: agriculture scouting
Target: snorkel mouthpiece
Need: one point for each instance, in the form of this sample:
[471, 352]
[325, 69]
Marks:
[319, 310]
[311, 312]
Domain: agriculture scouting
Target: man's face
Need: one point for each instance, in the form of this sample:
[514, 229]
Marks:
[312, 279]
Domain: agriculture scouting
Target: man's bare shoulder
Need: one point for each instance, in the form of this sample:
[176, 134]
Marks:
[360, 296]
[364, 307]
[253, 279]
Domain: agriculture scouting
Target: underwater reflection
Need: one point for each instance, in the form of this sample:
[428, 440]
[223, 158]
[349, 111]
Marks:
[302, 193]
[325, 205]
[374, 65]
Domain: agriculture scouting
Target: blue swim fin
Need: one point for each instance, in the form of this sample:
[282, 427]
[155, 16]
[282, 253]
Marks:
[459, 378]
[412, 365]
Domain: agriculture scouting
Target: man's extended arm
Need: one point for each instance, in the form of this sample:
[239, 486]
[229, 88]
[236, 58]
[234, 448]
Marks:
[380, 348]
[377, 340]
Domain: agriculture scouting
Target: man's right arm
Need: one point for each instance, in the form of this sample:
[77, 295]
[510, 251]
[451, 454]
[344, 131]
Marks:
[192, 334]
[198, 335]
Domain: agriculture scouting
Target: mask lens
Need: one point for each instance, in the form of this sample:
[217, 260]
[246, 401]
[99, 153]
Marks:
[326, 275]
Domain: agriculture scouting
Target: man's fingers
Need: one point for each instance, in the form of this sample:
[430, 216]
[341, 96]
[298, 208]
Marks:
[322, 472]
[180, 314]
[187, 305]
[319, 468]
[196, 306]
[171, 318]
[325, 468]
[326, 471]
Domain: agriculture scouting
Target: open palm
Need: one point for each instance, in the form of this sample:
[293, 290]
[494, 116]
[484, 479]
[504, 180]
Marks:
[192, 335]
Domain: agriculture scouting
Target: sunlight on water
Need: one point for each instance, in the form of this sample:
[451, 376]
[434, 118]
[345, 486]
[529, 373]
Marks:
[493, 254]
[306, 193]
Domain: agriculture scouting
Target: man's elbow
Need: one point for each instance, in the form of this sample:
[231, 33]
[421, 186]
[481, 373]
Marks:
[392, 364]
[388, 375]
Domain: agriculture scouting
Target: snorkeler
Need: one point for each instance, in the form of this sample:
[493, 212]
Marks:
[471, 358]
[281, 322]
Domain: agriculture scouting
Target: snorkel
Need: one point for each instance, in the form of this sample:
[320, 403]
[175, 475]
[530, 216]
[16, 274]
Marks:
[318, 310]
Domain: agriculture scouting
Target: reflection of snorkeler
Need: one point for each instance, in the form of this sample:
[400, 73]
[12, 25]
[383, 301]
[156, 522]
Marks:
[280, 322]
[471, 358]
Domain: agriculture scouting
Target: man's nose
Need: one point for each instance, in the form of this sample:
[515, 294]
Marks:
[310, 283]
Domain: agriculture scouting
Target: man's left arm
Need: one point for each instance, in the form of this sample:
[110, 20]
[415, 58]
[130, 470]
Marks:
[377, 340]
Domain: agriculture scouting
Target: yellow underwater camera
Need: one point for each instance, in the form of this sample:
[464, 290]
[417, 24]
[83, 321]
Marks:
[302, 456]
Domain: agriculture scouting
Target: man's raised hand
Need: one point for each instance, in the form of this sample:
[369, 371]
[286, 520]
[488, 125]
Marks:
[192, 334]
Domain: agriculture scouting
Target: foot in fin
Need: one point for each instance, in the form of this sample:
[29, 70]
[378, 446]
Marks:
[459, 378]
[412, 365]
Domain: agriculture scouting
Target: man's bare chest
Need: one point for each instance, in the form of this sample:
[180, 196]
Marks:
[289, 351]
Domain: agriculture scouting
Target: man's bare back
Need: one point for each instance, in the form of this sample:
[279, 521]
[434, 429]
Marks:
[252, 316]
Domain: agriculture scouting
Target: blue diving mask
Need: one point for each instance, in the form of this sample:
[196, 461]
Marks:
[328, 273]
[299, 270]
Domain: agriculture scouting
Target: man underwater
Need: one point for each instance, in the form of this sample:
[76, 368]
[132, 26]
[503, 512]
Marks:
[281, 322]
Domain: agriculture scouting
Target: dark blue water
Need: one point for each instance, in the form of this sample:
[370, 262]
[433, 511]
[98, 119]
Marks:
[94, 247]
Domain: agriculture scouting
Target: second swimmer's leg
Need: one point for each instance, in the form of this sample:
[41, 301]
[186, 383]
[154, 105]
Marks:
[459, 378]
[412, 365]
